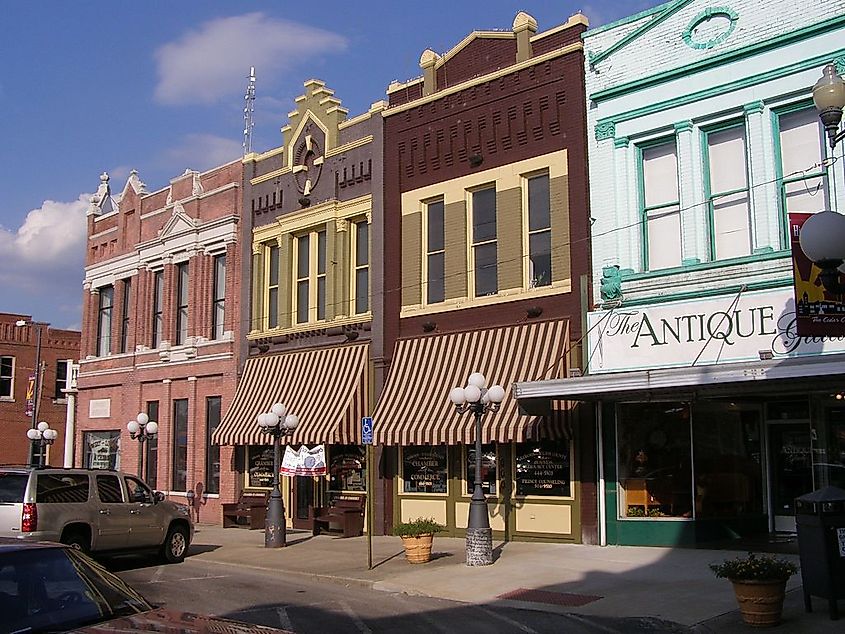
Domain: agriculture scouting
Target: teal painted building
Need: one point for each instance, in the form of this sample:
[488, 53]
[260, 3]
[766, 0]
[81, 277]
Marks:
[713, 415]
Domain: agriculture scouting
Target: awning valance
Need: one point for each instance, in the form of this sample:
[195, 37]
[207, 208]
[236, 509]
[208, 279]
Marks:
[414, 407]
[755, 377]
[327, 389]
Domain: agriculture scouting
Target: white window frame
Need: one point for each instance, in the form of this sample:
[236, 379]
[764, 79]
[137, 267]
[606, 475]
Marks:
[271, 311]
[11, 396]
[428, 252]
[313, 278]
[356, 267]
[473, 245]
[527, 281]
[654, 212]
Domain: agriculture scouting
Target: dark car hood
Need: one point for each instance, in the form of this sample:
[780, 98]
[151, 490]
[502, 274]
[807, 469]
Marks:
[160, 620]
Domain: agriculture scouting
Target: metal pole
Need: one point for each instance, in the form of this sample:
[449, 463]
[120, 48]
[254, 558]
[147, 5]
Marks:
[36, 394]
[478, 515]
[274, 526]
[140, 457]
[370, 505]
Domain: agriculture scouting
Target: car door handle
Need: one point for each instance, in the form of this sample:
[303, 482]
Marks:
[105, 512]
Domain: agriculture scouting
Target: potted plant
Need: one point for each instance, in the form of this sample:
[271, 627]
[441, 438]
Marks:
[417, 536]
[759, 582]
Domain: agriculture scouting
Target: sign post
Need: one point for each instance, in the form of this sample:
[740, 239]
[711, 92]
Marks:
[367, 440]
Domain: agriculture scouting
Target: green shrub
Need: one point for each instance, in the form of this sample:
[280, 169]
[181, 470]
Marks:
[755, 568]
[417, 527]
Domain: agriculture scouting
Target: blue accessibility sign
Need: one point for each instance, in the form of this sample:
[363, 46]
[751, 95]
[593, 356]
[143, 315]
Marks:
[367, 430]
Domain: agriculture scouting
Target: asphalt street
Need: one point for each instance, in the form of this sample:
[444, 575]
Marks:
[305, 605]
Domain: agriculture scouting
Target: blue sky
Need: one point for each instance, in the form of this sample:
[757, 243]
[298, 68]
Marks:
[87, 87]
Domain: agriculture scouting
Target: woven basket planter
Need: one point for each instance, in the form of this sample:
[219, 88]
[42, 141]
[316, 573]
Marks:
[760, 602]
[418, 549]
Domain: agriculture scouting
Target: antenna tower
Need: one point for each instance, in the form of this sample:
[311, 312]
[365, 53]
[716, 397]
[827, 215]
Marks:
[249, 111]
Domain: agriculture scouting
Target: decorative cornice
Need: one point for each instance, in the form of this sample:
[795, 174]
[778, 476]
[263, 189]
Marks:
[621, 142]
[605, 130]
[754, 107]
[683, 126]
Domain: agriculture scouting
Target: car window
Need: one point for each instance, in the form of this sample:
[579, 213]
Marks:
[12, 486]
[108, 488]
[62, 487]
[54, 589]
[138, 491]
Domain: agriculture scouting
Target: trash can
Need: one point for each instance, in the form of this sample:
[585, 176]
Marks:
[820, 522]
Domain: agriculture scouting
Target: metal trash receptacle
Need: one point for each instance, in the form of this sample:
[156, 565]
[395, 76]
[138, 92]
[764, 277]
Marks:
[820, 522]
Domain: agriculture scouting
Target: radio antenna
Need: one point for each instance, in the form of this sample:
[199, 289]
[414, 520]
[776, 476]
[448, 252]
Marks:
[249, 111]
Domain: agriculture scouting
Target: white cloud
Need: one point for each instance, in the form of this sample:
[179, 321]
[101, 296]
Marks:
[201, 152]
[47, 252]
[213, 61]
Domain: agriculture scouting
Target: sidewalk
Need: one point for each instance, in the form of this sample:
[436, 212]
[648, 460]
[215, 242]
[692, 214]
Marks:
[614, 581]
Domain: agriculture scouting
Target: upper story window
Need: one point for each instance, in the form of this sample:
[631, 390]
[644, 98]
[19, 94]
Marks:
[727, 192]
[273, 286]
[802, 149]
[539, 232]
[104, 316]
[7, 378]
[362, 267]
[660, 205]
[218, 309]
[158, 302]
[310, 277]
[62, 375]
[124, 321]
[435, 252]
[484, 246]
[181, 303]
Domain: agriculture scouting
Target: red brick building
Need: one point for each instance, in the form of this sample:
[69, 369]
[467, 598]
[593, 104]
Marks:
[487, 239]
[18, 351]
[161, 330]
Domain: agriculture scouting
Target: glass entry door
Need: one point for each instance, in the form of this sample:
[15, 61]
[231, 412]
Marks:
[790, 469]
[303, 498]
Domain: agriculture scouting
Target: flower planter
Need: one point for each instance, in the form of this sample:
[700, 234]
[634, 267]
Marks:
[760, 602]
[418, 549]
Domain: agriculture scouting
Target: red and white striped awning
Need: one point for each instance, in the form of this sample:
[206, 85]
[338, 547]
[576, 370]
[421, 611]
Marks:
[414, 407]
[327, 389]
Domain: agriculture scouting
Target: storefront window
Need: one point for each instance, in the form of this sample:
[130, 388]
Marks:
[488, 469]
[347, 468]
[424, 469]
[654, 458]
[830, 470]
[542, 468]
[728, 462]
[259, 464]
[101, 449]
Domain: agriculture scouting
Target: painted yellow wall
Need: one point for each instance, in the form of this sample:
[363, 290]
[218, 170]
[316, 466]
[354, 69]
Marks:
[412, 509]
[544, 518]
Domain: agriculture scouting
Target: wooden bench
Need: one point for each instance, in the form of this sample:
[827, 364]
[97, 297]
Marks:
[250, 510]
[345, 514]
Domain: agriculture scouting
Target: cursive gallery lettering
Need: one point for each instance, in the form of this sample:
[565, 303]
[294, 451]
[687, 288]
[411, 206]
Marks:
[725, 326]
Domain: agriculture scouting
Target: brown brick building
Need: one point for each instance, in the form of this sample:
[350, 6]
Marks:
[486, 232]
[161, 330]
[18, 347]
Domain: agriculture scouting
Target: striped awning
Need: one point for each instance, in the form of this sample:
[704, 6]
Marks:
[414, 407]
[327, 389]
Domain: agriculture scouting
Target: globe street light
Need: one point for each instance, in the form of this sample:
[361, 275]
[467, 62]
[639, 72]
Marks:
[477, 398]
[829, 98]
[142, 429]
[277, 424]
[43, 436]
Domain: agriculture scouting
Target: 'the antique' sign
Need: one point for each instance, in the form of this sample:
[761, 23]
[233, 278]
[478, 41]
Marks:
[725, 329]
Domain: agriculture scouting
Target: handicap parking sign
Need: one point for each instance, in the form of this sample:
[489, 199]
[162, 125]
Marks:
[367, 430]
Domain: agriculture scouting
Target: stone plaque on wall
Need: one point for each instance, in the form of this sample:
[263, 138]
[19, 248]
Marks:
[99, 408]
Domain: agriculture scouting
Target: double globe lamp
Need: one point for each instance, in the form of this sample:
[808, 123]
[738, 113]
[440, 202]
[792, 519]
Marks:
[477, 398]
[822, 236]
[278, 423]
[141, 429]
[43, 435]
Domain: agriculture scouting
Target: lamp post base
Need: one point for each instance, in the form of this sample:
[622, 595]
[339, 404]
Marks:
[479, 546]
[274, 524]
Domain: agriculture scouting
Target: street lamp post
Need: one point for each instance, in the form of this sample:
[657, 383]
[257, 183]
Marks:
[477, 398]
[142, 429]
[822, 236]
[276, 423]
[42, 436]
[36, 387]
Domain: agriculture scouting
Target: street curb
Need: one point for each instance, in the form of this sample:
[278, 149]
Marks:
[345, 581]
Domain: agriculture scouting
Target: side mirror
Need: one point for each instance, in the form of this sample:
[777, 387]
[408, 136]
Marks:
[158, 496]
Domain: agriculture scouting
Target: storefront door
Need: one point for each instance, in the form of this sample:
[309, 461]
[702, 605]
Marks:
[303, 498]
[790, 469]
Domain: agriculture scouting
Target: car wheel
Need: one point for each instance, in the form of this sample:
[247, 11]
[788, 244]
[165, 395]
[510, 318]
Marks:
[77, 540]
[175, 545]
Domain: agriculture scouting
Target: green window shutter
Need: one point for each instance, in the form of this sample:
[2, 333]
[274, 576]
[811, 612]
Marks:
[509, 238]
[412, 259]
[559, 200]
[455, 226]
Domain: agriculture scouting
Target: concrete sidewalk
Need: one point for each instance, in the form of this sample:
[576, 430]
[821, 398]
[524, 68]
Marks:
[673, 584]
